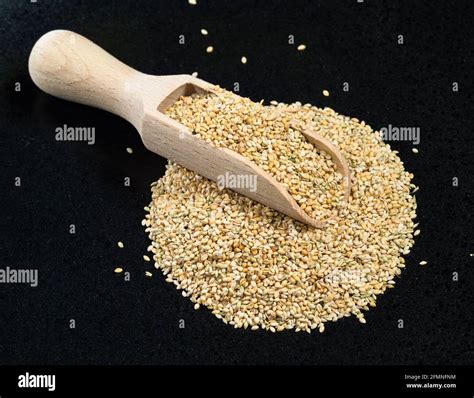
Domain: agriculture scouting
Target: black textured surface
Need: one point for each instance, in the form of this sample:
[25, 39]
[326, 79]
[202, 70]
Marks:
[136, 322]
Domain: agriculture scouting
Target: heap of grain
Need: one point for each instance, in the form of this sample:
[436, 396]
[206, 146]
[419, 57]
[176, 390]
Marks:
[256, 268]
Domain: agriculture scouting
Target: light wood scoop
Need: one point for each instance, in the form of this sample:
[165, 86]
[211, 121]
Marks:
[69, 66]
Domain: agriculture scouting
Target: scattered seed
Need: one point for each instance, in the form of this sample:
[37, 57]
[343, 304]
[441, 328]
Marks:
[301, 47]
[209, 49]
[423, 262]
[146, 258]
[204, 32]
[196, 306]
[148, 274]
[192, 2]
[120, 244]
[194, 74]
[243, 60]
[130, 150]
[326, 93]
[414, 150]
[118, 270]
[417, 232]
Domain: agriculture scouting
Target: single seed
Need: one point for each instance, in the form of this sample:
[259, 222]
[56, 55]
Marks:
[130, 150]
[192, 2]
[120, 244]
[326, 93]
[301, 47]
[148, 274]
[196, 306]
[204, 32]
[118, 270]
[194, 74]
[146, 258]
[243, 60]
[414, 150]
[209, 49]
[423, 262]
[417, 232]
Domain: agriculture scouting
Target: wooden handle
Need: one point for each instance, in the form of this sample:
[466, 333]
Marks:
[69, 66]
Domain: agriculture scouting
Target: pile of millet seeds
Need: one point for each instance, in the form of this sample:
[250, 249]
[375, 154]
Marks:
[254, 267]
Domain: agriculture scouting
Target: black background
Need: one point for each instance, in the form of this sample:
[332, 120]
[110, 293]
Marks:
[65, 183]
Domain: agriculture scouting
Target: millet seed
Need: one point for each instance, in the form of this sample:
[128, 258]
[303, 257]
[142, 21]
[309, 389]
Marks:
[255, 268]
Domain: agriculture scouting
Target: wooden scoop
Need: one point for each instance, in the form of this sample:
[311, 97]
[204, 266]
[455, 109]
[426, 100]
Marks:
[69, 66]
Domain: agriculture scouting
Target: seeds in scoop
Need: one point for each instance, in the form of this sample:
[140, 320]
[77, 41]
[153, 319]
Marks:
[118, 270]
[243, 60]
[309, 174]
[120, 244]
[204, 32]
[301, 47]
[209, 49]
